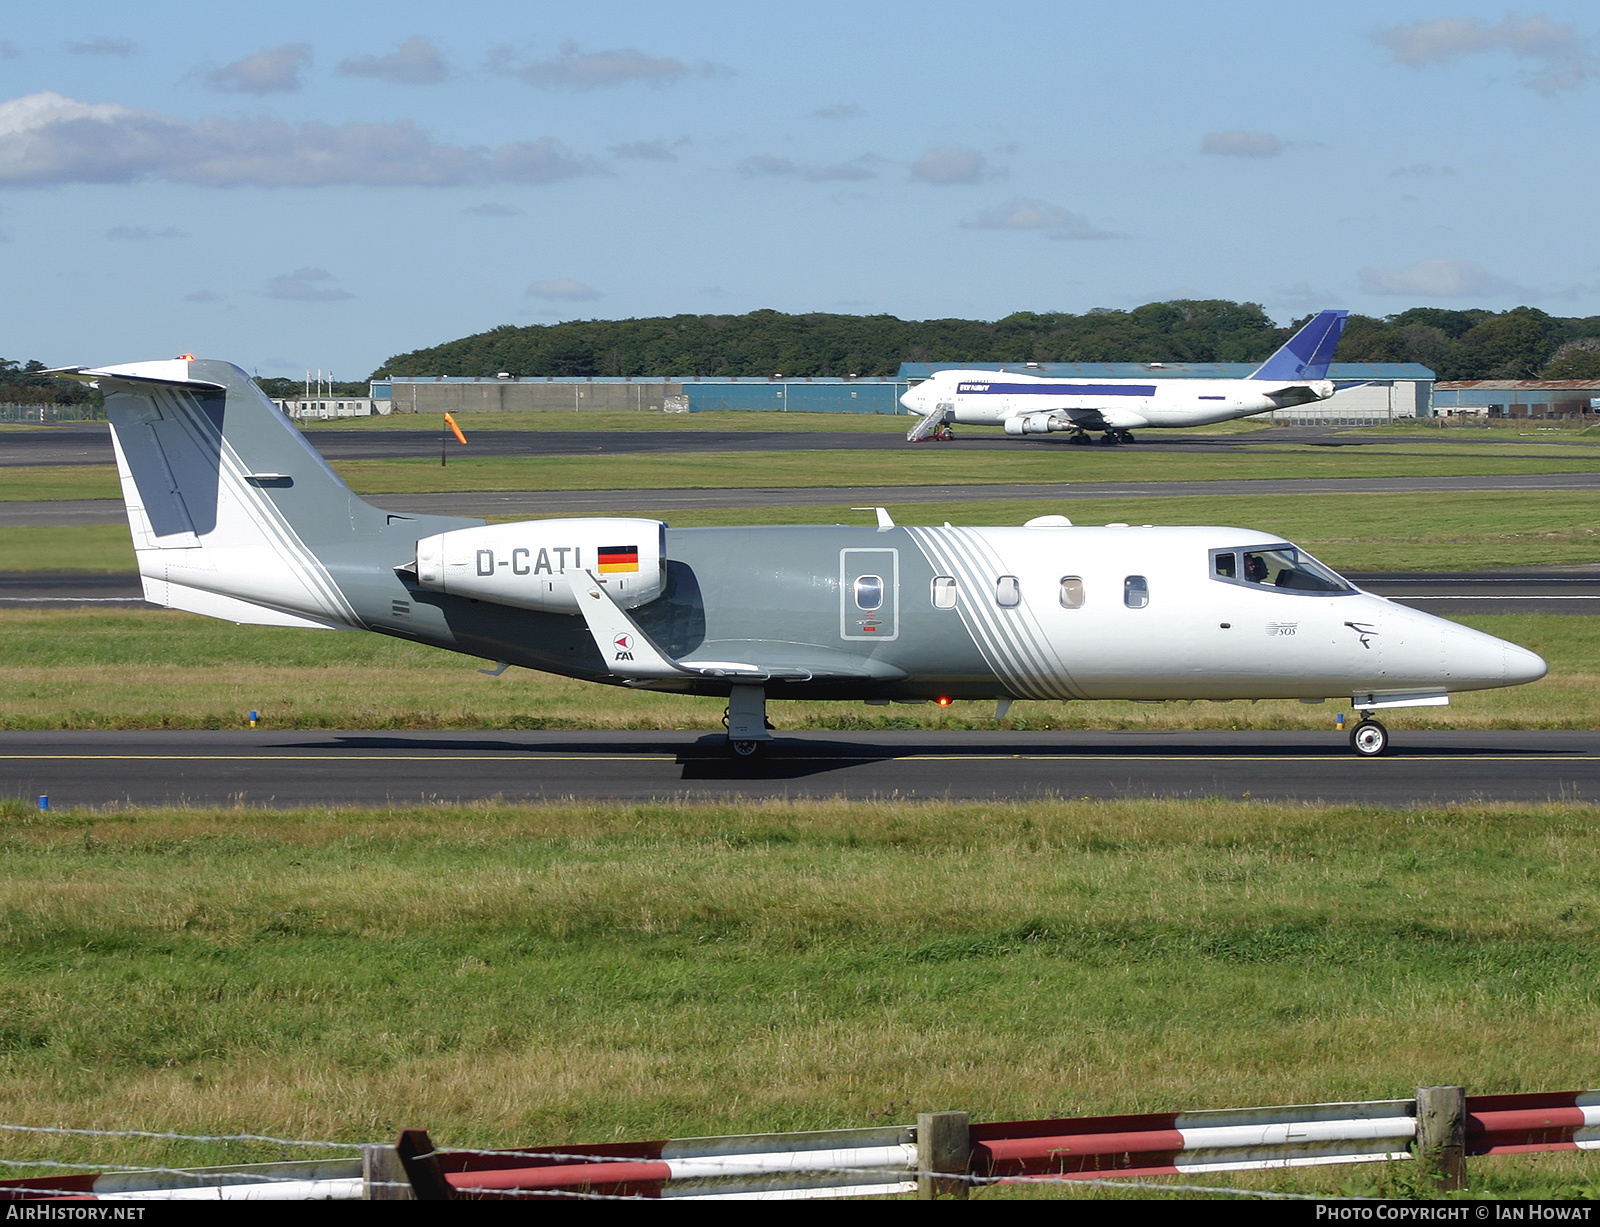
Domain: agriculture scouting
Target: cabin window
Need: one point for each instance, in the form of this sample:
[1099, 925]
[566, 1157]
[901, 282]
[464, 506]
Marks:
[869, 592]
[944, 592]
[1135, 592]
[1008, 592]
[1226, 566]
[1071, 592]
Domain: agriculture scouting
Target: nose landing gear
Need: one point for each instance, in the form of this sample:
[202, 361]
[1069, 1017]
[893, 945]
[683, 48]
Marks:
[1369, 738]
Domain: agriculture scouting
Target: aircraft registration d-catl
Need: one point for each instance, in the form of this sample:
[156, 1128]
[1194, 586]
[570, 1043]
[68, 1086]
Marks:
[234, 515]
[1032, 404]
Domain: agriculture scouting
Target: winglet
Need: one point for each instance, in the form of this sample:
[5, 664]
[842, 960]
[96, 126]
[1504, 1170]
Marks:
[1306, 354]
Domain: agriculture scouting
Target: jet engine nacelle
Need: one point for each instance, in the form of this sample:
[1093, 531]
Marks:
[522, 564]
[1034, 424]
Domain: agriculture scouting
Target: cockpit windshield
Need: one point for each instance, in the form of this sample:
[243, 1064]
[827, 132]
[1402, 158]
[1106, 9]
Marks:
[1276, 566]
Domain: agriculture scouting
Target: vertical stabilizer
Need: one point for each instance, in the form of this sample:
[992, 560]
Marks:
[1306, 354]
[227, 502]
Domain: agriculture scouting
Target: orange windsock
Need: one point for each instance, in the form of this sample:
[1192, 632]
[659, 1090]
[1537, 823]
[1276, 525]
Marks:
[454, 429]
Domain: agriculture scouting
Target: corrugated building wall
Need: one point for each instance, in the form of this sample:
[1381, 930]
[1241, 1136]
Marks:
[455, 394]
[1517, 398]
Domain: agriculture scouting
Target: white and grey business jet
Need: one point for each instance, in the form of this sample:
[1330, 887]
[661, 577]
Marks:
[234, 515]
[1028, 404]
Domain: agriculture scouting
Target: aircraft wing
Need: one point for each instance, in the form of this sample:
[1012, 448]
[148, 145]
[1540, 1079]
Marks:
[1112, 417]
[632, 654]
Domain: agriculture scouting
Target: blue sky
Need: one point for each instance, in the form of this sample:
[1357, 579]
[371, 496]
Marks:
[322, 185]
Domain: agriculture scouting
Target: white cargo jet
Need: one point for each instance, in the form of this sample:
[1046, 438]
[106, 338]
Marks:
[234, 515]
[1036, 404]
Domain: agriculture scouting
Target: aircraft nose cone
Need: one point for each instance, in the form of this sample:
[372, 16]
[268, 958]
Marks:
[1523, 666]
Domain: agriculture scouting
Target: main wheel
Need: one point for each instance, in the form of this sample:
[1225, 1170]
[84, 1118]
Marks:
[1109, 439]
[745, 749]
[1080, 439]
[1369, 739]
[1125, 436]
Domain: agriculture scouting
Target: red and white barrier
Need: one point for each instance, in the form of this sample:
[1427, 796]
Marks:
[884, 1161]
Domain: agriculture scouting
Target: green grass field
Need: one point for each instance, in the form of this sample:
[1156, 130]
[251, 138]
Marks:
[143, 668]
[914, 467]
[539, 975]
[1419, 532]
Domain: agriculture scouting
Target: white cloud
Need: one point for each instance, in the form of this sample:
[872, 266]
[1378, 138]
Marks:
[1304, 295]
[563, 288]
[765, 165]
[1029, 214]
[104, 46]
[275, 70]
[945, 165]
[1437, 278]
[659, 150]
[46, 138]
[576, 70]
[761, 164]
[138, 233]
[417, 61]
[494, 210]
[1239, 144]
[846, 171]
[1564, 59]
[306, 285]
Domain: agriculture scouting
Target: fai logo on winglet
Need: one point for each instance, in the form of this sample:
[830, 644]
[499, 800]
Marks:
[624, 646]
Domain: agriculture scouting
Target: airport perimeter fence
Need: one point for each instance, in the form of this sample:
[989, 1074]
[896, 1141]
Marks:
[942, 1155]
[52, 413]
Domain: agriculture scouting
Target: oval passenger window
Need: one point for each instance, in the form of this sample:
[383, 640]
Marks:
[869, 592]
[1135, 592]
[1071, 592]
[944, 592]
[1007, 591]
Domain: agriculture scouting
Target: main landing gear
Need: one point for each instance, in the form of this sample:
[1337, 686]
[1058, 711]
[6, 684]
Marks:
[1113, 437]
[1369, 738]
[749, 731]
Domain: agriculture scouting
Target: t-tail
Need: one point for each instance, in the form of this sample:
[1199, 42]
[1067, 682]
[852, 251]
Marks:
[233, 513]
[1306, 354]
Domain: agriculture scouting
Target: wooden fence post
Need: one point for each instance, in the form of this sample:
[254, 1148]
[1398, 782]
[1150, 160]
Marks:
[1442, 1136]
[416, 1154]
[944, 1144]
[383, 1176]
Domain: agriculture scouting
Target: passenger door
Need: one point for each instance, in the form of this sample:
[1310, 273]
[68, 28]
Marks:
[869, 594]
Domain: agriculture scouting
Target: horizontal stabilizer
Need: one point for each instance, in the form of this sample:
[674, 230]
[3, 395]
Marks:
[1306, 354]
[170, 374]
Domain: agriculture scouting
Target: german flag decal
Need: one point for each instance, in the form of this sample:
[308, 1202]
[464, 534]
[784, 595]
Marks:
[615, 558]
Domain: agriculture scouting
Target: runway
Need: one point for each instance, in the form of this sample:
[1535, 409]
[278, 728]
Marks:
[91, 443]
[281, 770]
[513, 503]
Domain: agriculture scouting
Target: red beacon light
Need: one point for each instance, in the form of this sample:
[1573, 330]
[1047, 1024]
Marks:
[185, 357]
[944, 701]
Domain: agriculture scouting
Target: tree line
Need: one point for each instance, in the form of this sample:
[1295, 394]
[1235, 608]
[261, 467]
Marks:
[1522, 343]
[23, 383]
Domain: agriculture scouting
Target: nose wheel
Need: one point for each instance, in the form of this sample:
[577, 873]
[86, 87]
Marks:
[1369, 739]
